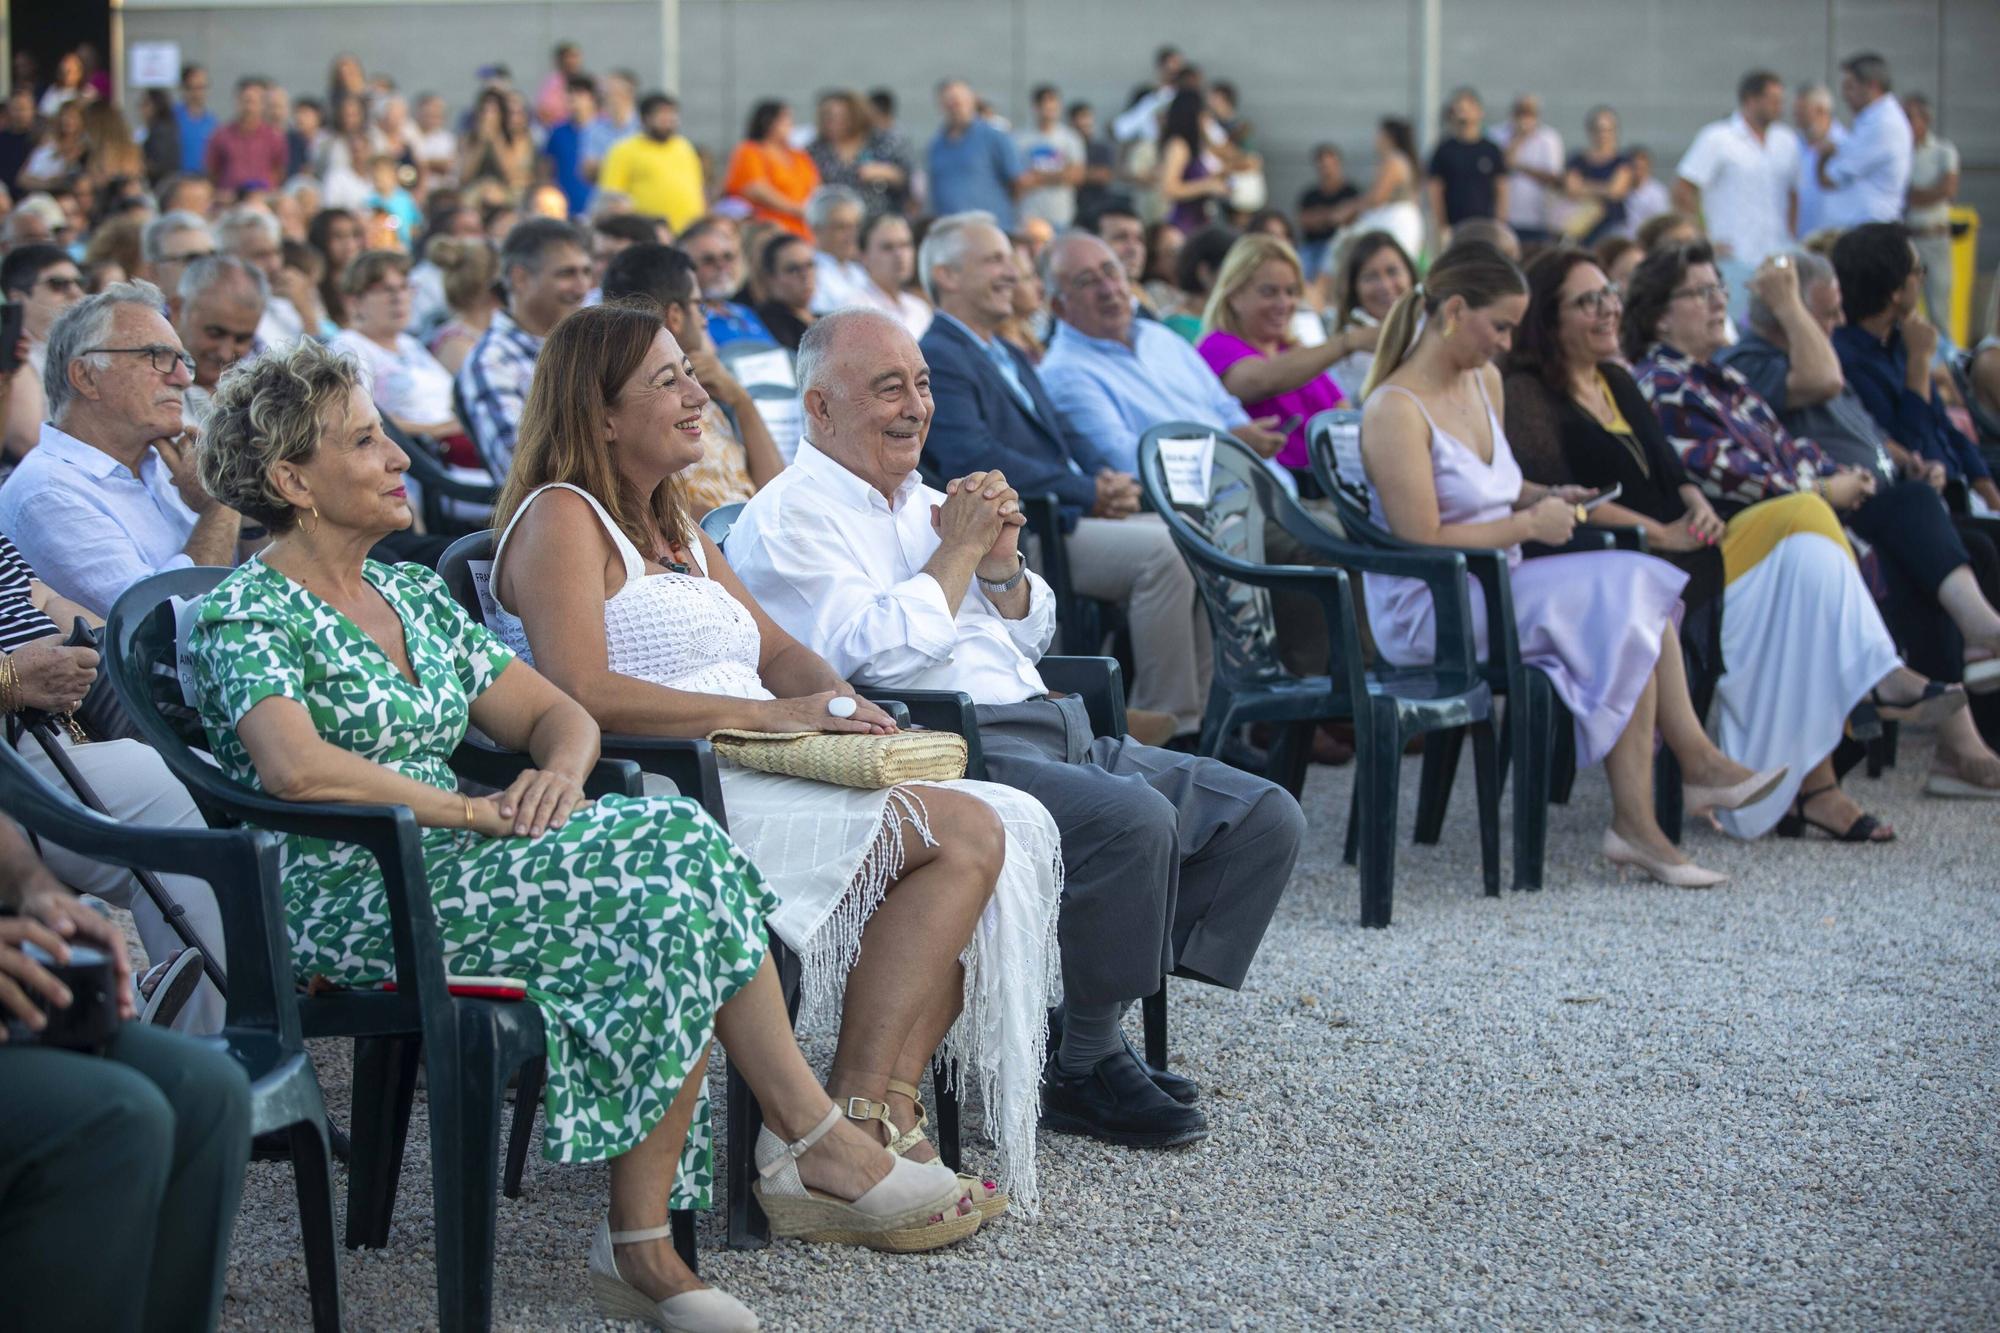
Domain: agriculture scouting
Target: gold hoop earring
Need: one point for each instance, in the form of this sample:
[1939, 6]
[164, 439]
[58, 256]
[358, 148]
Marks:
[314, 511]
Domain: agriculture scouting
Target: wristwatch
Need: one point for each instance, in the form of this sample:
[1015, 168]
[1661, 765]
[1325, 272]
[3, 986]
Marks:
[1007, 584]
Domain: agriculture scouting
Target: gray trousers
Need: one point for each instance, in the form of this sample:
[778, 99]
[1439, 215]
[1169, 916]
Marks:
[1173, 863]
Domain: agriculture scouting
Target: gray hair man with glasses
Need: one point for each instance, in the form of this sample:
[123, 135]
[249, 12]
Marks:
[109, 494]
[169, 244]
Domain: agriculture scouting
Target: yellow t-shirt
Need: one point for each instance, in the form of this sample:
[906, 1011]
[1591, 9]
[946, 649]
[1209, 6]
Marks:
[663, 179]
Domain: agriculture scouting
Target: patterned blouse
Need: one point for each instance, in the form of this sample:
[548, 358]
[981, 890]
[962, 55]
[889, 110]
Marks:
[722, 477]
[1731, 442]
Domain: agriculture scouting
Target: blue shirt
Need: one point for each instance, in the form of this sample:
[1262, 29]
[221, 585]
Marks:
[194, 138]
[494, 384]
[1111, 392]
[976, 170]
[1871, 171]
[730, 320]
[1812, 199]
[88, 527]
[567, 147]
[1875, 370]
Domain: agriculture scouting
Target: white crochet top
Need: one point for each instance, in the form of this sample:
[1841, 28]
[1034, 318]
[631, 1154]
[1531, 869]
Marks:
[676, 630]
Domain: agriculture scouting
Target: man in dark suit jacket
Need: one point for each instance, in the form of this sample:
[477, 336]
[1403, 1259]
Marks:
[990, 410]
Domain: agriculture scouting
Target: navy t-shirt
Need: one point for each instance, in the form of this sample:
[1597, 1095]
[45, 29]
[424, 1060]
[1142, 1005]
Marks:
[1470, 173]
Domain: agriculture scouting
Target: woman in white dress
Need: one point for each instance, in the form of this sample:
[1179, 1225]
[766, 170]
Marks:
[924, 915]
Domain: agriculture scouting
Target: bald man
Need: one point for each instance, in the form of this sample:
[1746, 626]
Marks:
[1173, 863]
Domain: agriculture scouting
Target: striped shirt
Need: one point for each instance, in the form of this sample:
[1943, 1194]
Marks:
[494, 383]
[20, 622]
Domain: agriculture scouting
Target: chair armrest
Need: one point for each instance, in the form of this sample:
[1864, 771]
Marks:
[1628, 537]
[938, 710]
[240, 864]
[490, 766]
[1097, 680]
[686, 762]
[1583, 539]
[1442, 569]
[1329, 586]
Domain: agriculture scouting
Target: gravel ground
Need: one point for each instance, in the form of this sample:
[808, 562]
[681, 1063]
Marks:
[1766, 1107]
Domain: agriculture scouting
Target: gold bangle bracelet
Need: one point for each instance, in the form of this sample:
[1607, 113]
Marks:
[468, 808]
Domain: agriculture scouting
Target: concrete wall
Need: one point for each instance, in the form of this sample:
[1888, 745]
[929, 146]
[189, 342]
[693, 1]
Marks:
[1309, 69]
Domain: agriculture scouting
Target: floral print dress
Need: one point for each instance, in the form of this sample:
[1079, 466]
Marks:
[631, 924]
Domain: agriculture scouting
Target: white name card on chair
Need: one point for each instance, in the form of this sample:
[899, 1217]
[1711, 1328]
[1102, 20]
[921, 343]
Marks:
[1187, 465]
[785, 418]
[482, 583]
[772, 367]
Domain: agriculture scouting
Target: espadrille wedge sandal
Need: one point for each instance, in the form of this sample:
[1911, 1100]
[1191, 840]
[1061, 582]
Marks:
[985, 1195]
[893, 1215]
[702, 1311]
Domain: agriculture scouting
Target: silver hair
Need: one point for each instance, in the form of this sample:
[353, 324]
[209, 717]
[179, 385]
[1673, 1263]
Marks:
[1814, 271]
[820, 205]
[87, 324]
[220, 270]
[1818, 94]
[1047, 265]
[154, 239]
[241, 221]
[814, 366]
[944, 244]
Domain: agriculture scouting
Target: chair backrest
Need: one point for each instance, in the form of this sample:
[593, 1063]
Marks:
[142, 650]
[757, 363]
[1241, 498]
[466, 568]
[1333, 439]
[718, 521]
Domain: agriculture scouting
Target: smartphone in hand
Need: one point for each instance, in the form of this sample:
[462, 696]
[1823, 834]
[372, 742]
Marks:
[11, 315]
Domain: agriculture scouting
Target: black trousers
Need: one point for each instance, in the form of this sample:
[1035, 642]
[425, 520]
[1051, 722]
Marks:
[119, 1180]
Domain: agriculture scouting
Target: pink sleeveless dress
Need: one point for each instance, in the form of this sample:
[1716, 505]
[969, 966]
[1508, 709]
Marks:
[1592, 621]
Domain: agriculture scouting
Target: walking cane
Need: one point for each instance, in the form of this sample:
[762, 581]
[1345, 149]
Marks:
[175, 914]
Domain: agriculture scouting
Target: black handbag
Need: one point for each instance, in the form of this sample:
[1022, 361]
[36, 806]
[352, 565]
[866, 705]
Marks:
[101, 716]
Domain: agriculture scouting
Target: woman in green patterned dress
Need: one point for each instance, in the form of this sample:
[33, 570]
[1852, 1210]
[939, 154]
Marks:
[636, 924]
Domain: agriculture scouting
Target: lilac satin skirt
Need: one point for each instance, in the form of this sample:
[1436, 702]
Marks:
[1592, 621]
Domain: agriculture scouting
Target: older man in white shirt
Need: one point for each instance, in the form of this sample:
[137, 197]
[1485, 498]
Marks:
[1866, 178]
[1737, 176]
[1174, 863]
[109, 495]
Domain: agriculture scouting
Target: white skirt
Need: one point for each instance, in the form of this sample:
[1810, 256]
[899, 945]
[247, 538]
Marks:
[829, 853]
[1804, 644]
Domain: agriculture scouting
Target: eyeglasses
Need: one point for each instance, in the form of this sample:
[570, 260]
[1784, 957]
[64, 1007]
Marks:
[1597, 302]
[1707, 292]
[163, 357]
[187, 258]
[720, 259]
[795, 270]
[61, 283]
[1104, 275]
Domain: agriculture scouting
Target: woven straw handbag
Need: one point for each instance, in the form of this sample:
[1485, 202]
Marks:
[846, 758]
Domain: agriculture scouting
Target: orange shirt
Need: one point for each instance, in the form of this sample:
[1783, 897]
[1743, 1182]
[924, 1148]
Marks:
[786, 170]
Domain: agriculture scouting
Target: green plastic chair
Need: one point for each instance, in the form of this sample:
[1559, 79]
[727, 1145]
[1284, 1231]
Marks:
[470, 1047]
[262, 1032]
[1222, 539]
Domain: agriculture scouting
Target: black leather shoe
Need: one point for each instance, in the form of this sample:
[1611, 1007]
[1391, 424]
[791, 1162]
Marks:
[1117, 1103]
[1177, 1086]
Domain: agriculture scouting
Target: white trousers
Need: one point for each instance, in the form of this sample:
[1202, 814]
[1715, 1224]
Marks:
[136, 788]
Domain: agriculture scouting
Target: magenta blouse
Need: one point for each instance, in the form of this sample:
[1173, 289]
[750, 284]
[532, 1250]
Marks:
[1222, 350]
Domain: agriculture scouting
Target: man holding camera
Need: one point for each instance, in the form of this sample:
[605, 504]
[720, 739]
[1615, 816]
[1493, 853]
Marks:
[126, 1165]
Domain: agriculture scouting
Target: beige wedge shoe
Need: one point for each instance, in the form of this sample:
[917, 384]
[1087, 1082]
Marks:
[703, 1311]
[893, 1215]
[986, 1195]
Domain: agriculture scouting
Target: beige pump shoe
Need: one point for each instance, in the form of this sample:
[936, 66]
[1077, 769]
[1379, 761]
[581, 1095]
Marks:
[1685, 876]
[705, 1310]
[893, 1215]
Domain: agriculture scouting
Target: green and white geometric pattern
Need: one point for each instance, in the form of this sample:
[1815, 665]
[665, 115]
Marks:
[631, 924]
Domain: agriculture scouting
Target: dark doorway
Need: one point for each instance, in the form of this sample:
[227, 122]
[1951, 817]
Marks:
[43, 30]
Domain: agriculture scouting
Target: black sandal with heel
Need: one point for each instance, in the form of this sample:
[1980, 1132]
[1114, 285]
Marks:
[1936, 703]
[1863, 829]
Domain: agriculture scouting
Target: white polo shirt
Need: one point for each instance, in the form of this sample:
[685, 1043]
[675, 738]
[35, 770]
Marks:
[1745, 185]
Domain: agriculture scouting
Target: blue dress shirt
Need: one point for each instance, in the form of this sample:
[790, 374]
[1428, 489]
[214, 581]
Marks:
[1871, 171]
[975, 171]
[1875, 370]
[1111, 392]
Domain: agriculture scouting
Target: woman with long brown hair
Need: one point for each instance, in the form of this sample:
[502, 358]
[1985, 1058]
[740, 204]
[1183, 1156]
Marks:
[1601, 624]
[925, 913]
